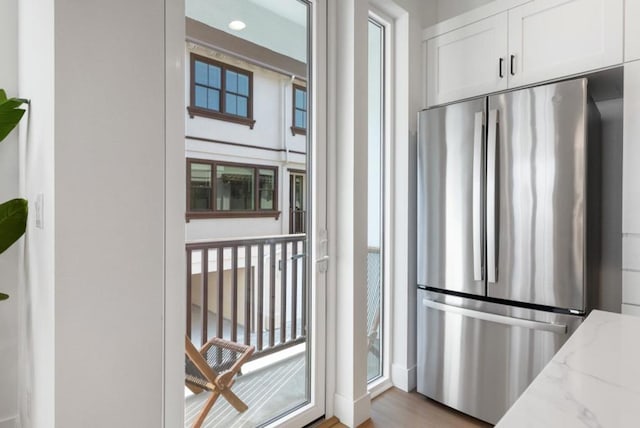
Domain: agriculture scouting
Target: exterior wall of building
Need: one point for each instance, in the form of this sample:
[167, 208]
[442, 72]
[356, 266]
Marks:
[270, 143]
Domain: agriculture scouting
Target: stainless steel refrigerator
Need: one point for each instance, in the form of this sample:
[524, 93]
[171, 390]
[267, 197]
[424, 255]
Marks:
[508, 190]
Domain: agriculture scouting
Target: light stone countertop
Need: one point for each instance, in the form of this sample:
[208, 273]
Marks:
[593, 381]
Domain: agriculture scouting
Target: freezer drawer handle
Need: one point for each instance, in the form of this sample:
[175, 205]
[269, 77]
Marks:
[502, 319]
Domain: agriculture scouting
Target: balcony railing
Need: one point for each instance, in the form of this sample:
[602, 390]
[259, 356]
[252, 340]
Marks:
[250, 291]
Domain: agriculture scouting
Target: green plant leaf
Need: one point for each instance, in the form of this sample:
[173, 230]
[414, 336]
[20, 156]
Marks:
[8, 121]
[13, 222]
[10, 114]
[3, 296]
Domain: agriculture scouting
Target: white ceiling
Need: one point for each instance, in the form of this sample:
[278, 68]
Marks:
[288, 9]
[279, 25]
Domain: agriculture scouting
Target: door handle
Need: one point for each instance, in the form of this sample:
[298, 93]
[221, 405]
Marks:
[501, 319]
[478, 196]
[512, 65]
[500, 67]
[492, 197]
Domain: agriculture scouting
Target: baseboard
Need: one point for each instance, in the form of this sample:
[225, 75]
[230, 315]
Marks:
[8, 423]
[404, 378]
[352, 413]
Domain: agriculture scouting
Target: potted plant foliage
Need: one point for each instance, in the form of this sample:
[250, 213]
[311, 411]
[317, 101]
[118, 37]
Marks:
[13, 213]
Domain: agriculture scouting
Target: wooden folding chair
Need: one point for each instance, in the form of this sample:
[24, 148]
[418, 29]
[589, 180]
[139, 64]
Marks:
[213, 369]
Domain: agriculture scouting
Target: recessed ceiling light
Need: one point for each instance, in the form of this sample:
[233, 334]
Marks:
[237, 25]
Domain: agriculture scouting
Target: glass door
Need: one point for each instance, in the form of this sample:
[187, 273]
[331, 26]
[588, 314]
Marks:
[255, 137]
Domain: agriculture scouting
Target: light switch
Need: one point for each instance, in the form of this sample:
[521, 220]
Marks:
[40, 211]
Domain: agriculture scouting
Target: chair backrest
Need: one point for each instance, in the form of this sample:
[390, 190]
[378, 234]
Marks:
[196, 368]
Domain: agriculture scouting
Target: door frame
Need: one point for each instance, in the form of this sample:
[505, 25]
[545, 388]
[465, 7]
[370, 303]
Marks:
[174, 312]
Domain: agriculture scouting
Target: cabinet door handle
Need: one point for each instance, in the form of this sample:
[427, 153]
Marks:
[500, 64]
[512, 71]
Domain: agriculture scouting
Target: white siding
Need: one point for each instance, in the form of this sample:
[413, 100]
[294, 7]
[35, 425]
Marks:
[271, 139]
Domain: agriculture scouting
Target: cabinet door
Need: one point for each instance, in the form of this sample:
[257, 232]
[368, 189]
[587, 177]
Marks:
[632, 30]
[466, 62]
[549, 39]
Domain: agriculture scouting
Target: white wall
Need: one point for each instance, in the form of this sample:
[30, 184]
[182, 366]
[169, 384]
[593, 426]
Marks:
[347, 191]
[93, 301]
[9, 190]
[347, 159]
[610, 293]
[37, 295]
[450, 8]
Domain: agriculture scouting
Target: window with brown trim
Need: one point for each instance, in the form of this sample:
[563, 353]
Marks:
[299, 118]
[221, 91]
[224, 189]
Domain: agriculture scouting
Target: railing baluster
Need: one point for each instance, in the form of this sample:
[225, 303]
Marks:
[220, 308]
[288, 309]
[305, 260]
[189, 291]
[283, 293]
[260, 299]
[294, 288]
[272, 294]
[204, 280]
[234, 294]
[247, 295]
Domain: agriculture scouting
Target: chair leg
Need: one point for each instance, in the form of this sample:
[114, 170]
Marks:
[205, 409]
[234, 400]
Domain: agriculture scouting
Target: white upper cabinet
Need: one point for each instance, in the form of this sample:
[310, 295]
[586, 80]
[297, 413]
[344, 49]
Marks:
[466, 62]
[526, 44]
[632, 30]
[549, 39]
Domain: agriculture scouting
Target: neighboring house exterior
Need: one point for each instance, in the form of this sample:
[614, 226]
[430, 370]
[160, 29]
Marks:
[245, 138]
[245, 150]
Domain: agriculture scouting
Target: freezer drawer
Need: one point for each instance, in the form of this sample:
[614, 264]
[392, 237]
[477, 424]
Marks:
[478, 357]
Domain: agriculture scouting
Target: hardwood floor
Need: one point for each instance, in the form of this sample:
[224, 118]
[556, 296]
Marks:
[395, 408]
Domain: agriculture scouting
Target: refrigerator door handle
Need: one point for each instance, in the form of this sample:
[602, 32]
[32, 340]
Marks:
[501, 319]
[478, 197]
[492, 185]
